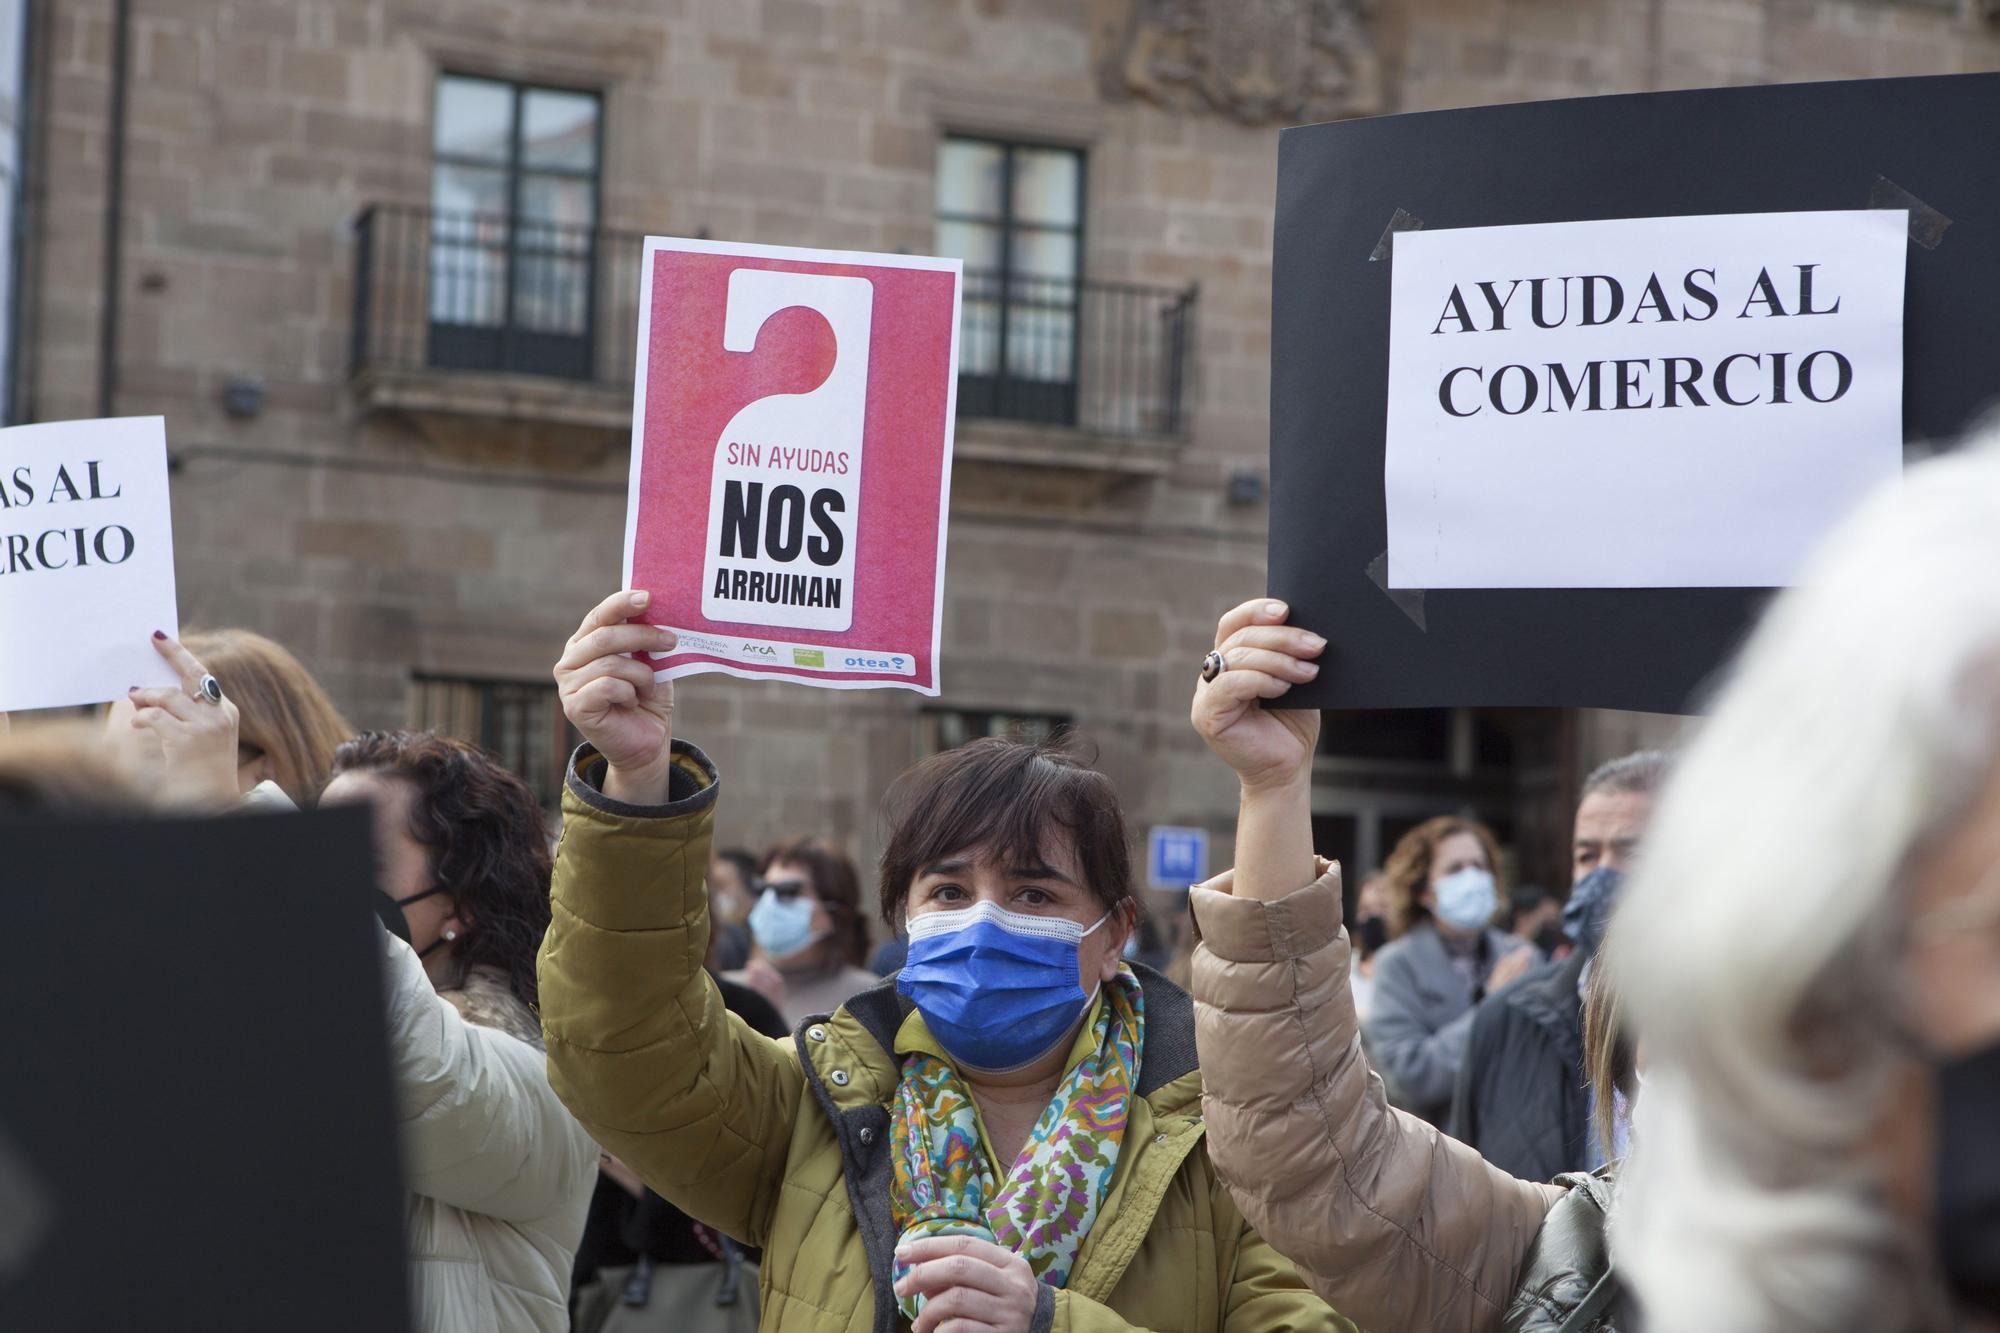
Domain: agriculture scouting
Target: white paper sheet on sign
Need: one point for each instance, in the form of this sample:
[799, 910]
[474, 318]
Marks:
[86, 561]
[1648, 402]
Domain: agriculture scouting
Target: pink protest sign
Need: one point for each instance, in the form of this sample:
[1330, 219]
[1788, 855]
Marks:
[791, 460]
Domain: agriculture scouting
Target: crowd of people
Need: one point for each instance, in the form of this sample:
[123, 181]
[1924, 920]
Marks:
[1743, 1074]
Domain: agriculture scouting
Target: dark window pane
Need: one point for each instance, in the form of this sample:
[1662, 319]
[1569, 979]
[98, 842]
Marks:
[475, 118]
[968, 178]
[563, 201]
[1048, 186]
[551, 295]
[978, 337]
[458, 193]
[1045, 254]
[974, 242]
[559, 130]
[1041, 344]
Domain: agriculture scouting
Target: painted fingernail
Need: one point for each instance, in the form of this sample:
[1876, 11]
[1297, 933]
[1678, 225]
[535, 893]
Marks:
[1274, 608]
[159, 634]
[131, 689]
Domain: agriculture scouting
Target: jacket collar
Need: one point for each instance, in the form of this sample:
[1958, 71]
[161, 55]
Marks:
[1169, 1052]
[1548, 996]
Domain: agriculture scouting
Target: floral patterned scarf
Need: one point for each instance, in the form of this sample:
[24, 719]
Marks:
[945, 1184]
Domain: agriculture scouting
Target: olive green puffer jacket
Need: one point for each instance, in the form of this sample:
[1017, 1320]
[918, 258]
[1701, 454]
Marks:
[784, 1145]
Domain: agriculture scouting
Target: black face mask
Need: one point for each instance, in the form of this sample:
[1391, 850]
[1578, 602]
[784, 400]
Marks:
[1968, 1177]
[1370, 934]
[391, 912]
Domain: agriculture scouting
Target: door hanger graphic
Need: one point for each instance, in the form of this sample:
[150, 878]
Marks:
[775, 522]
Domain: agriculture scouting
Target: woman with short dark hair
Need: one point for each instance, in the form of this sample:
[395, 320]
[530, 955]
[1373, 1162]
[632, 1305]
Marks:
[1007, 1136]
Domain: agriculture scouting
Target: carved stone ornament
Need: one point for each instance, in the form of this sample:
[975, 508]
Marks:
[1260, 62]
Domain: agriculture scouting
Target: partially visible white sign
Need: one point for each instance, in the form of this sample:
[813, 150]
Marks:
[1640, 403]
[86, 561]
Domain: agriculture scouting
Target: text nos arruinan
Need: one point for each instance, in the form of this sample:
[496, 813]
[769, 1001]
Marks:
[772, 528]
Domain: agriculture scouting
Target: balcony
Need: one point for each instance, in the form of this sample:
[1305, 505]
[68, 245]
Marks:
[471, 315]
[474, 315]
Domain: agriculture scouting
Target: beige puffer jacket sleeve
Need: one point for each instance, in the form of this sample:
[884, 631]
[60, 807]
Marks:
[1394, 1224]
[482, 1129]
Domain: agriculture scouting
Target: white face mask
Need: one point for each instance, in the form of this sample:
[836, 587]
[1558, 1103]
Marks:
[1466, 899]
[782, 928]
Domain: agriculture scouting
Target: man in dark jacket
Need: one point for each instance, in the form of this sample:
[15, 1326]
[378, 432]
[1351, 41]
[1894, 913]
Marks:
[1521, 1098]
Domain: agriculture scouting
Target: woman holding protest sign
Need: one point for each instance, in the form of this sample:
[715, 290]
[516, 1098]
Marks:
[500, 1176]
[1395, 1223]
[286, 727]
[1815, 1142]
[1007, 1137]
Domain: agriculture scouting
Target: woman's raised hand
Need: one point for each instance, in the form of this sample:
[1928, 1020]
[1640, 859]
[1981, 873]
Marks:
[611, 697]
[196, 731]
[1262, 659]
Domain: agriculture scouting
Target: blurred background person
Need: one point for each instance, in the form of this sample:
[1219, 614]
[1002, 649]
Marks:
[1522, 1099]
[1817, 988]
[809, 930]
[1534, 917]
[1369, 933]
[500, 1175]
[1443, 958]
[288, 728]
[732, 890]
[732, 884]
[66, 767]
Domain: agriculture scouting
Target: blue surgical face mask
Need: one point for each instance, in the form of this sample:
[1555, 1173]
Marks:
[782, 928]
[1466, 898]
[1588, 910]
[998, 989]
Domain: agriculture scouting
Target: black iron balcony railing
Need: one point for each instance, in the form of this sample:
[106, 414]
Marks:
[438, 291]
[482, 292]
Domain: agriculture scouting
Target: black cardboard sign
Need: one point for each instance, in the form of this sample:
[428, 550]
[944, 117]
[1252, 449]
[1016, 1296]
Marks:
[1887, 143]
[195, 1119]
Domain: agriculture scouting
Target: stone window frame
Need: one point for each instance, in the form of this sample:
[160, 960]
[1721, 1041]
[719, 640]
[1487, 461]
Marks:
[520, 83]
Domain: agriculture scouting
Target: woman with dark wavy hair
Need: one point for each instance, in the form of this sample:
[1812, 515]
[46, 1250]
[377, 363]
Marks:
[463, 853]
[500, 1176]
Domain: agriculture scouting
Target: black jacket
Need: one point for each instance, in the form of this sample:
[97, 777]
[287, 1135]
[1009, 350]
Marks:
[1567, 1285]
[1520, 1098]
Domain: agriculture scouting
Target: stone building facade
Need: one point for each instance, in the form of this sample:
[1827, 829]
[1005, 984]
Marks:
[422, 503]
